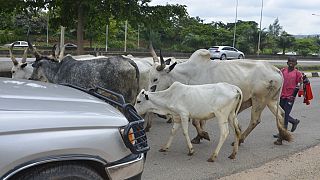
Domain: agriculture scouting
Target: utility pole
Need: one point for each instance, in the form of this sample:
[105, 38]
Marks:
[138, 36]
[48, 28]
[259, 39]
[125, 36]
[235, 25]
[319, 37]
[107, 28]
[62, 37]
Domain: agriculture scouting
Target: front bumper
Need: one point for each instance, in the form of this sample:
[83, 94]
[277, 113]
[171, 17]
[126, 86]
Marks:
[126, 168]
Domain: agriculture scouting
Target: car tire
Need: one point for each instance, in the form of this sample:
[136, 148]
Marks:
[240, 56]
[61, 171]
[223, 57]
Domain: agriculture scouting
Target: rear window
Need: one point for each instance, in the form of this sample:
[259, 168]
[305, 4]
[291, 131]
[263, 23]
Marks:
[214, 48]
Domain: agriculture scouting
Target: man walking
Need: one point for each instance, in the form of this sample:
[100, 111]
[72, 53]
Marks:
[292, 80]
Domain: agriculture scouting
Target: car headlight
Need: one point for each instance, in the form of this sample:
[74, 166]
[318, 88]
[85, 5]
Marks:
[129, 136]
[134, 137]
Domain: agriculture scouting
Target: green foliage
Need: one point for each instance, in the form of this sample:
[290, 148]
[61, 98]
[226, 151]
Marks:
[306, 46]
[168, 27]
[285, 41]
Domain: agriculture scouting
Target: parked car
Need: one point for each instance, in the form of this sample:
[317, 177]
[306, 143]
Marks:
[66, 132]
[225, 52]
[70, 46]
[21, 44]
[291, 53]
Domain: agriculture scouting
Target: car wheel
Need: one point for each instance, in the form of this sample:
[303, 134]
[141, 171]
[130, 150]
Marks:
[240, 56]
[59, 171]
[223, 57]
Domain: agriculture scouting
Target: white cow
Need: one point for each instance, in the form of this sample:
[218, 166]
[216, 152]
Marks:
[200, 102]
[144, 66]
[20, 70]
[260, 83]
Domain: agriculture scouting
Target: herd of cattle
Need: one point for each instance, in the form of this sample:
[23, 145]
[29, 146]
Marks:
[197, 89]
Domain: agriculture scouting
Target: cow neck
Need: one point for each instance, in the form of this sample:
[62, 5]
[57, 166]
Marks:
[183, 73]
[51, 69]
[158, 98]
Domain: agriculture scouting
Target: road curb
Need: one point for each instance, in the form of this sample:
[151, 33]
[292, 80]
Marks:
[312, 74]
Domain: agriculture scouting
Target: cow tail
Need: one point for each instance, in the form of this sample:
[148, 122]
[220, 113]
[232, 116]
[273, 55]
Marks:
[240, 100]
[283, 133]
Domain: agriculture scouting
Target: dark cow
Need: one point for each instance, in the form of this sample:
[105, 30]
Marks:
[118, 74]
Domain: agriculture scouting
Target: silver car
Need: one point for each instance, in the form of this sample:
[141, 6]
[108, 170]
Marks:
[225, 52]
[50, 131]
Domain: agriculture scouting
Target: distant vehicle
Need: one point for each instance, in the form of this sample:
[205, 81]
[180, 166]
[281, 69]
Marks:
[22, 44]
[225, 52]
[50, 131]
[288, 53]
[70, 46]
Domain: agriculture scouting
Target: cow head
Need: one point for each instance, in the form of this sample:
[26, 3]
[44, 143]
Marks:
[38, 72]
[20, 70]
[44, 66]
[142, 104]
[160, 76]
[56, 54]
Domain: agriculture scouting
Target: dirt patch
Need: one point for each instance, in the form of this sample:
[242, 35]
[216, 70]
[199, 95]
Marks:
[301, 165]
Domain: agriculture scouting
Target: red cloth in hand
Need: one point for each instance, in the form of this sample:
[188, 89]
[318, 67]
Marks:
[308, 94]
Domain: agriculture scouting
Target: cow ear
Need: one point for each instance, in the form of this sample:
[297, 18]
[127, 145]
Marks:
[172, 66]
[24, 65]
[167, 62]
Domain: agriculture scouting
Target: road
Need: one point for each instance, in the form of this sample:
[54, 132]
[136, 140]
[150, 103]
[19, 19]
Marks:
[256, 151]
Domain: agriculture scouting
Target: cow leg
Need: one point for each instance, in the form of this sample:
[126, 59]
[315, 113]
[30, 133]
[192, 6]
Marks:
[257, 108]
[279, 113]
[174, 129]
[147, 121]
[185, 125]
[235, 125]
[224, 131]
[199, 125]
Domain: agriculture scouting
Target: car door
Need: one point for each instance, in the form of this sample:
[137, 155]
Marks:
[233, 52]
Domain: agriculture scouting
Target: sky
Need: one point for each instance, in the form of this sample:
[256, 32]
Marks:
[295, 16]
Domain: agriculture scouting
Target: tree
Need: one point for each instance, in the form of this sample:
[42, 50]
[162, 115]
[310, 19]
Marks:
[273, 34]
[306, 46]
[285, 41]
[275, 29]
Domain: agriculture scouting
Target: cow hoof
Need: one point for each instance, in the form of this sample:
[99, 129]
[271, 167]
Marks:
[205, 135]
[163, 150]
[170, 120]
[147, 129]
[196, 140]
[210, 160]
[278, 142]
[190, 153]
[232, 156]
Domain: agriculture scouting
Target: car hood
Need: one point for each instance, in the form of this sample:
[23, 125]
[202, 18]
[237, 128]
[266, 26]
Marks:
[29, 105]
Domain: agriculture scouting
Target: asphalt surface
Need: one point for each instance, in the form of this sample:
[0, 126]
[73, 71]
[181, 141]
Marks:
[256, 151]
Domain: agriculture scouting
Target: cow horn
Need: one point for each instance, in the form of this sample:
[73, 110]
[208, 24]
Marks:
[34, 51]
[24, 57]
[163, 64]
[153, 54]
[14, 60]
